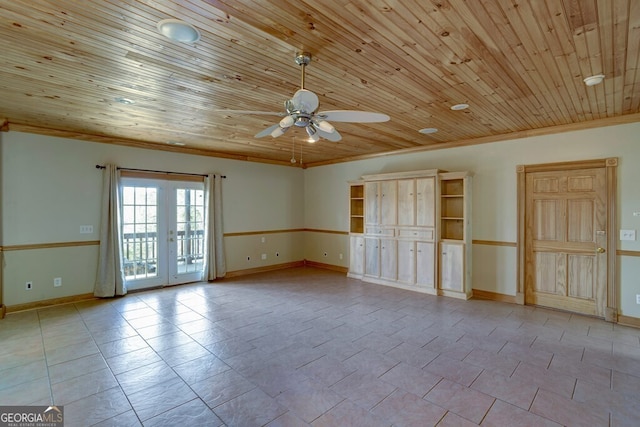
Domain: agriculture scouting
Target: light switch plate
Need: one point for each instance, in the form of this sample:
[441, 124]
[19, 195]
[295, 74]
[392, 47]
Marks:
[627, 234]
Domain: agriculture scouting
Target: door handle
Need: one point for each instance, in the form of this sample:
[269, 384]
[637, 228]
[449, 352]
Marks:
[600, 250]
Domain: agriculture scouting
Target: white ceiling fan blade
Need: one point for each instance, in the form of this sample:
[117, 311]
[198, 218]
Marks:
[305, 100]
[331, 136]
[353, 116]
[267, 131]
[251, 112]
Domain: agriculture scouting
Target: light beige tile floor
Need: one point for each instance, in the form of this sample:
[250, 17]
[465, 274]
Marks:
[311, 347]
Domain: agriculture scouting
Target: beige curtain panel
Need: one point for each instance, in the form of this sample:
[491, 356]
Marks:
[110, 277]
[215, 264]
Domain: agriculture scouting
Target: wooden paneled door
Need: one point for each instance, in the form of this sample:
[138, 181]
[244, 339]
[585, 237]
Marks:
[566, 247]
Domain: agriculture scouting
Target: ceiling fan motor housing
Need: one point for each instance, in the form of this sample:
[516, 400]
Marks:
[302, 120]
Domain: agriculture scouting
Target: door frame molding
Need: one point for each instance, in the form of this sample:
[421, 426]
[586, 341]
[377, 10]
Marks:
[611, 165]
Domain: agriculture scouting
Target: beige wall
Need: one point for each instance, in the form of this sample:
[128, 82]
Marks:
[51, 187]
[494, 195]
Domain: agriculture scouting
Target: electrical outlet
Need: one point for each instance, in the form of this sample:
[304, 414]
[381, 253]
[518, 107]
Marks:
[86, 229]
[57, 282]
[637, 298]
[264, 256]
[627, 234]
[28, 286]
[340, 256]
[263, 239]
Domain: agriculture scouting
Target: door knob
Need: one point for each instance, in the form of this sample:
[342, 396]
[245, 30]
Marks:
[600, 250]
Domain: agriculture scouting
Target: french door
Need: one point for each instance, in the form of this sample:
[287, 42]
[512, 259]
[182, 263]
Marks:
[162, 232]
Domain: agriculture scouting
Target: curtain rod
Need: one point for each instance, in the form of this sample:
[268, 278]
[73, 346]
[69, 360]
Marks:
[156, 171]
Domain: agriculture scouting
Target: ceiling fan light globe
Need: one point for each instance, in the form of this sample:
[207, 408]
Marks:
[313, 138]
[278, 132]
[286, 122]
[325, 126]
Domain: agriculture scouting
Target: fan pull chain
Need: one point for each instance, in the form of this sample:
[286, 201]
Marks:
[293, 151]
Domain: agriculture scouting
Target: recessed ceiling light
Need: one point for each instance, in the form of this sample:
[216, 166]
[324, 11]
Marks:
[178, 31]
[427, 131]
[125, 101]
[459, 107]
[594, 80]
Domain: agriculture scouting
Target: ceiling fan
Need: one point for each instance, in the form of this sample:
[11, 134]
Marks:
[301, 111]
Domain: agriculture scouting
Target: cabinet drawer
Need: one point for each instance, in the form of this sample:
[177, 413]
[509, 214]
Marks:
[422, 234]
[380, 231]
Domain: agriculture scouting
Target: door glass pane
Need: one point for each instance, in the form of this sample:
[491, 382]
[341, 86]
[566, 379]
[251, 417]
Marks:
[139, 231]
[189, 230]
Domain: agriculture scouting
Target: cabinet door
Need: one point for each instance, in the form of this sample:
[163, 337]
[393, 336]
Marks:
[425, 202]
[356, 255]
[388, 202]
[372, 202]
[406, 202]
[388, 259]
[425, 264]
[372, 257]
[406, 261]
[452, 266]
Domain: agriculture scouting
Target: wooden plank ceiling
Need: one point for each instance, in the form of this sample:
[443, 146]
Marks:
[519, 65]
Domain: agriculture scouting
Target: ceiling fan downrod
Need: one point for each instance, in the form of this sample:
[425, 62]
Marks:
[303, 59]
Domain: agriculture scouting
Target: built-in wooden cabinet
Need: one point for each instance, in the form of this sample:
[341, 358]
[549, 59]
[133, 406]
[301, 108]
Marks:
[425, 202]
[381, 203]
[388, 259]
[356, 256]
[451, 267]
[406, 202]
[415, 231]
[372, 257]
[356, 207]
[455, 234]
[356, 229]
[425, 265]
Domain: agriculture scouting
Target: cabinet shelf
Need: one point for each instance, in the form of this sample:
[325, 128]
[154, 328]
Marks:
[356, 208]
[452, 209]
[357, 191]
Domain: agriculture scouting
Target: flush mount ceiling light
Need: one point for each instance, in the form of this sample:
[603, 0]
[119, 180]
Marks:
[459, 107]
[125, 101]
[594, 80]
[427, 131]
[178, 31]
